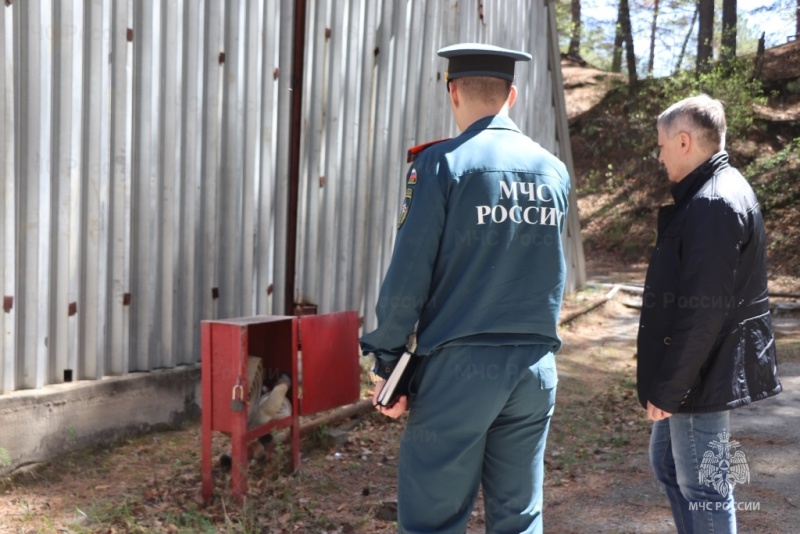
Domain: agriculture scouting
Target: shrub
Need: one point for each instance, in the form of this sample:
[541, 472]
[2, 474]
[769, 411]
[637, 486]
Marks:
[774, 178]
[733, 83]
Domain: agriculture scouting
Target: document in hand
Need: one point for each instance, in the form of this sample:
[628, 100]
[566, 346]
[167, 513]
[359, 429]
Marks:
[397, 383]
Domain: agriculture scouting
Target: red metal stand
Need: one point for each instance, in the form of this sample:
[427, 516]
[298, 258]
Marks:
[330, 378]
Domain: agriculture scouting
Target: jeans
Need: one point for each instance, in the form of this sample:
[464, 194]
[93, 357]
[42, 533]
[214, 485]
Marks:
[686, 454]
[479, 417]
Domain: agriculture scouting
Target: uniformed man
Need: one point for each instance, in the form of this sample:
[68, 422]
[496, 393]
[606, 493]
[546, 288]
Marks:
[478, 266]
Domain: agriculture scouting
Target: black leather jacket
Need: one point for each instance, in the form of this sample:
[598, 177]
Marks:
[705, 339]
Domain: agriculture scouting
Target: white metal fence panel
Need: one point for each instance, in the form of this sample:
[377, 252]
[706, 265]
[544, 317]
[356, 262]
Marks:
[395, 74]
[145, 158]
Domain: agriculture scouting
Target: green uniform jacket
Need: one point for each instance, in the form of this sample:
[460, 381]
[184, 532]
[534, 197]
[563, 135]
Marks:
[478, 258]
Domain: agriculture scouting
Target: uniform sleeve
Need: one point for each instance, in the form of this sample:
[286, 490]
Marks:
[406, 286]
[711, 242]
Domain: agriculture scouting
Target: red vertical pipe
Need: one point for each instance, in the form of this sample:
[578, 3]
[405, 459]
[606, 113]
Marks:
[295, 131]
[207, 396]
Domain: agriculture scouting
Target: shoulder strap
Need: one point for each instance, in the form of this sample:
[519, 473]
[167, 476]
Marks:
[417, 150]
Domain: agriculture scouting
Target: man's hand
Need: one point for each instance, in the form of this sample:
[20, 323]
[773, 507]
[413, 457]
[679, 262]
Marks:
[656, 414]
[393, 411]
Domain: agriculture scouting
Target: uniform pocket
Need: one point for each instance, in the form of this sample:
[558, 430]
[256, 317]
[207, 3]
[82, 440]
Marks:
[546, 369]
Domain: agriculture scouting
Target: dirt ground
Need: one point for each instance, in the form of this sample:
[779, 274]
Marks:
[598, 478]
[625, 498]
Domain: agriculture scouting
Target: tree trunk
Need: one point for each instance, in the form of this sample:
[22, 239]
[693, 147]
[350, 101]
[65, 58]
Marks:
[627, 35]
[616, 61]
[575, 41]
[686, 42]
[729, 21]
[705, 34]
[759, 57]
[653, 40]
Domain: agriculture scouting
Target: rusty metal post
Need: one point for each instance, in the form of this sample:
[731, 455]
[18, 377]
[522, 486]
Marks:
[295, 132]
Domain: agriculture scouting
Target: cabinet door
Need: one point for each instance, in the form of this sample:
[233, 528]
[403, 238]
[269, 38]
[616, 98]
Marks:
[330, 369]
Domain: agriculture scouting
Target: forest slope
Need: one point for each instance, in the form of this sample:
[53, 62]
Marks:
[621, 185]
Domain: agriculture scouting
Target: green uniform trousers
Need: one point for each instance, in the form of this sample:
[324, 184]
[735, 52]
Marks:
[479, 417]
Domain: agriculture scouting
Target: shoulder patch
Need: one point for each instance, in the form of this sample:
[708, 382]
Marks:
[413, 152]
[406, 206]
[410, 186]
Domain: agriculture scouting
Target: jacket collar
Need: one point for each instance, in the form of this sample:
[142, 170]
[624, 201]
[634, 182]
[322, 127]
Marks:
[686, 188]
[491, 122]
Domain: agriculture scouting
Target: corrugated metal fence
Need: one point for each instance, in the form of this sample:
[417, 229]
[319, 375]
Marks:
[145, 153]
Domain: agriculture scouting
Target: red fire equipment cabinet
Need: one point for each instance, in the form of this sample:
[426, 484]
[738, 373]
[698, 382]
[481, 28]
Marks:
[326, 375]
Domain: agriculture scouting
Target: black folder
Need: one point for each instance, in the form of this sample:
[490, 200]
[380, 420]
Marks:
[397, 383]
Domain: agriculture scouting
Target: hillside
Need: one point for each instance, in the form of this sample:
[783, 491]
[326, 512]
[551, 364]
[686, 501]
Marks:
[621, 184]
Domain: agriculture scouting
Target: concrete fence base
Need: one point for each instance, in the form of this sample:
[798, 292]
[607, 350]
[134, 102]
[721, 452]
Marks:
[39, 425]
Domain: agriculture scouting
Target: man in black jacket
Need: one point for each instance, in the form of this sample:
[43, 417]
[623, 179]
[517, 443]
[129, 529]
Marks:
[705, 343]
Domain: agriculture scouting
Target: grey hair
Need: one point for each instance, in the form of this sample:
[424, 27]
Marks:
[704, 115]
